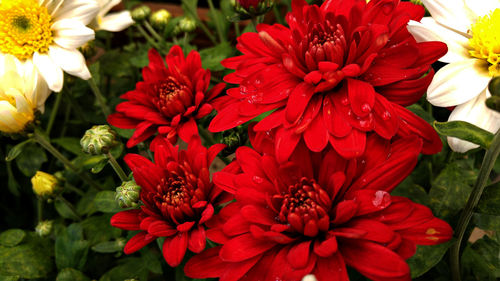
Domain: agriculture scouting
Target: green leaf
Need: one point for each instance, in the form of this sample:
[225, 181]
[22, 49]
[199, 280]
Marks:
[29, 260]
[99, 166]
[31, 159]
[418, 110]
[16, 150]
[9, 278]
[12, 237]
[481, 260]
[465, 131]
[71, 249]
[426, 258]
[211, 57]
[132, 268]
[190, 7]
[487, 222]
[490, 200]
[64, 210]
[69, 144]
[411, 190]
[70, 274]
[106, 203]
[86, 204]
[451, 188]
[98, 229]
[108, 247]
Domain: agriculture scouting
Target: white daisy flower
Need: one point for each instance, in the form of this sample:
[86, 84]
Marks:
[471, 29]
[22, 93]
[48, 33]
[113, 22]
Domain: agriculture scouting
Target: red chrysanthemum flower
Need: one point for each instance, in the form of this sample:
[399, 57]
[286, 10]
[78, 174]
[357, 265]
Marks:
[316, 214]
[339, 71]
[169, 100]
[178, 198]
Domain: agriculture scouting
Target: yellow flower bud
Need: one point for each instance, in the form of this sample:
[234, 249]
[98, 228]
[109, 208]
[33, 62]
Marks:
[44, 185]
[44, 228]
[160, 18]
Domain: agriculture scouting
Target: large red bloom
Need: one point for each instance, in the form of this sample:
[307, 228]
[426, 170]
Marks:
[339, 71]
[317, 213]
[178, 198]
[169, 100]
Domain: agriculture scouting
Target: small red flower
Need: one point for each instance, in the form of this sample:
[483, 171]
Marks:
[249, 3]
[178, 198]
[336, 73]
[169, 100]
[316, 214]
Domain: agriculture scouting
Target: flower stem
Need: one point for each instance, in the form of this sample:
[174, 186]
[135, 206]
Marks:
[39, 138]
[99, 97]
[39, 209]
[149, 38]
[153, 32]
[488, 162]
[74, 189]
[217, 23]
[118, 169]
[201, 24]
[53, 114]
[70, 206]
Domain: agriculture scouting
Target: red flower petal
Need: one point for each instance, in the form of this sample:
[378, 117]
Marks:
[174, 248]
[332, 268]
[137, 242]
[244, 247]
[197, 239]
[205, 265]
[353, 145]
[127, 220]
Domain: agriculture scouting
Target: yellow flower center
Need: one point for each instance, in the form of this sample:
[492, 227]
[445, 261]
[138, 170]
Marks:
[24, 28]
[485, 41]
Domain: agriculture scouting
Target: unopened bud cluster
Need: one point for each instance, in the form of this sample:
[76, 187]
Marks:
[98, 140]
[493, 102]
[127, 194]
[252, 8]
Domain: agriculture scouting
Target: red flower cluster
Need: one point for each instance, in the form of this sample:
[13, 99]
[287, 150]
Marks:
[169, 100]
[338, 72]
[178, 198]
[317, 213]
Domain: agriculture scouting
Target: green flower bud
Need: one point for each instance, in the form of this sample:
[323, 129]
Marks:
[494, 86]
[44, 185]
[187, 24]
[98, 140]
[141, 13]
[44, 228]
[160, 18]
[127, 194]
[234, 138]
[493, 102]
[252, 8]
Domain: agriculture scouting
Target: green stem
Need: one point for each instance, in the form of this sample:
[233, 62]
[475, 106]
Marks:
[278, 15]
[153, 32]
[74, 189]
[70, 206]
[201, 24]
[118, 169]
[39, 208]
[38, 137]
[53, 114]
[488, 162]
[148, 38]
[217, 23]
[99, 97]
[254, 23]
[237, 29]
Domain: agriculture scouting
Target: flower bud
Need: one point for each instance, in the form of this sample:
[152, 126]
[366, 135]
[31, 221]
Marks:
[252, 8]
[493, 102]
[494, 86]
[127, 194]
[160, 18]
[44, 228]
[141, 13]
[187, 24]
[44, 185]
[98, 140]
[234, 138]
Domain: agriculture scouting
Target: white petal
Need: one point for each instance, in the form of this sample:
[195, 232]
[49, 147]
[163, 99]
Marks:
[50, 71]
[8, 118]
[70, 34]
[22, 105]
[116, 21]
[482, 7]
[429, 30]
[475, 112]
[458, 82]
[107, 5]
[71, 61]
[451, 13]
[80, 10]
[51, 5]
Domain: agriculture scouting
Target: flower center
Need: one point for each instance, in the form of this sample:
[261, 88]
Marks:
[172, 97]
[305, 208]
[485, 41]
[24, 28]
[174, 198]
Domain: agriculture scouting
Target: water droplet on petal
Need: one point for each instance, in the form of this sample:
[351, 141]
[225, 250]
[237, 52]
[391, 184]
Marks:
[386, 115]
[366, 108]
[381, 199]
[257, 179]
[345, 101]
